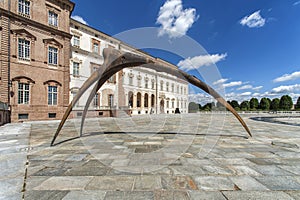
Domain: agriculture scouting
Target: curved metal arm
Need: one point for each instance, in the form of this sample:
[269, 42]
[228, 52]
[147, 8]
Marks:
[115, 61]
[112, 60]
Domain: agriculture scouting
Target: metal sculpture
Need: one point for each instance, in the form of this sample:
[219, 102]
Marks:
[115, 61]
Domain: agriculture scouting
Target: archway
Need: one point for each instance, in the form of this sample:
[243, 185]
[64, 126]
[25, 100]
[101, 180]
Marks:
[138, 99]
[130, 99]
[146, 100]
[152, 100]
[162, 106]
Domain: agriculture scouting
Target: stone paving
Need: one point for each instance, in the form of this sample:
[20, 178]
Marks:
[191, 156]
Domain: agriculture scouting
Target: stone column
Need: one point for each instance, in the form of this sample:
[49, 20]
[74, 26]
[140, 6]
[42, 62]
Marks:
[149, 101]
[142, 100]
[134, 100]
[126, 100]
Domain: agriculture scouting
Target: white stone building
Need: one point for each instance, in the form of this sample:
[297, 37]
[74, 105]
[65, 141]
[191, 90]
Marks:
[137, 90]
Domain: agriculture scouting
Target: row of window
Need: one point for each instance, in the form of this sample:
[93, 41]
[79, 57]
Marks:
[24, 91]
[182, 90]
[24, 10]
[182, 104]
[24, 52]
[95, 44]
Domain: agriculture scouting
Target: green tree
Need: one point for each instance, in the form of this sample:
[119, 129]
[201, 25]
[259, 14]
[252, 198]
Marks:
[235, 104]
[245, 105]
[253, 103]
[270, 101]
[200, 107]
[275, 104]
[297, 106]
[207, 107]
[286, 102]
[193, 107]
[264, 104]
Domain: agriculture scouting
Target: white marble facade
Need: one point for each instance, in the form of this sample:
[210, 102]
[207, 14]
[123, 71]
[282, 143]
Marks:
[141, 90]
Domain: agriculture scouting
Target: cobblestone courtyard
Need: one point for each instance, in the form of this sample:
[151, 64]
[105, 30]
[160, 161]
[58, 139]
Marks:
[190, 156]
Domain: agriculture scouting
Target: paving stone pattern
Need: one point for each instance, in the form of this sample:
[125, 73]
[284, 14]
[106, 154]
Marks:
[188, 156]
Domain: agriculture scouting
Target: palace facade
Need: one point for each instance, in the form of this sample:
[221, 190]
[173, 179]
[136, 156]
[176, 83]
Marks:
[137, 90]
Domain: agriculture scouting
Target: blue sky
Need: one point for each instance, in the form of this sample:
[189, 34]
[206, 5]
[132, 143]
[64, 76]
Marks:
[254, 43]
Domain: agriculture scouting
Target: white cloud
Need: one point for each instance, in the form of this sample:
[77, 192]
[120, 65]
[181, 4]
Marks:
[257, 88]
[296, 3]
[288, 77]
[201, 98]
[246, 87]
[253, 20]
[232, 84]
[246, 94]
[286, 89]
[199, 61]
[174, 20]
[80, 19]
[221, 81]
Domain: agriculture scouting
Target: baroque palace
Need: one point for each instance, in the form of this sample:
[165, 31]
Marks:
[46, 57]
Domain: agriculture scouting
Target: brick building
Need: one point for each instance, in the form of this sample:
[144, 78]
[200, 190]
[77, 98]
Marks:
[35, 56]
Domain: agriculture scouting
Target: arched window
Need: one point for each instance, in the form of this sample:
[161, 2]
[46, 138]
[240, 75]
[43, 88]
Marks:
[52, 88]
[130, 99]
[96, 100]
[152, 100]
[23, 88]
[146, 100]
[138, 100]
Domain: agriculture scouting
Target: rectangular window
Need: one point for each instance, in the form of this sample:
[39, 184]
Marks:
[75, 69]
[23, 93]
[76, 41]
[95, 47]
[110, 100]
[23, 116]
[130, 81]
[53, 18]
[23, 49]
[96, 100]
[51, 115]
[146, 84]
[153, 85]
[52, 95]
[24, 8]
[52, 55]
[161, 86]
[172, 87]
